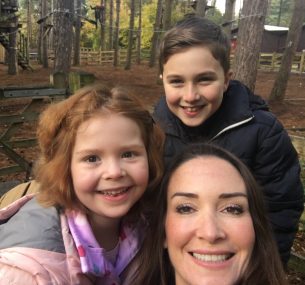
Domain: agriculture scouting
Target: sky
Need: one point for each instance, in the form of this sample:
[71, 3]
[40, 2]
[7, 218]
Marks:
[220, 4]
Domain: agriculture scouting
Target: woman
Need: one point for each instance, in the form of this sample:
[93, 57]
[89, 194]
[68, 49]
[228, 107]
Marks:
[211, 225]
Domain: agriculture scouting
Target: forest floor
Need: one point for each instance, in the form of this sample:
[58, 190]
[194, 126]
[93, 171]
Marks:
[143, 81]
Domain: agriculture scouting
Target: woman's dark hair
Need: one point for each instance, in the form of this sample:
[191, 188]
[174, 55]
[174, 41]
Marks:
[264, 266]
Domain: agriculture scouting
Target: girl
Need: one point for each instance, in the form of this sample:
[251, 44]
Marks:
[100, 159]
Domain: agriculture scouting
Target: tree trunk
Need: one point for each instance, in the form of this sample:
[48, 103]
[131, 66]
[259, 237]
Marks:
[76, 58]
[116, 35]
[200, 7]
[110, 44]
[103, 24]
[44, 37]
[293, 37]
[12, 55]
[130, 35]
[168, 14]
[139, 36]
[40, 34]
[249, 39]
[63, 19]
[155, 37]
[29, 22]
[228, 17]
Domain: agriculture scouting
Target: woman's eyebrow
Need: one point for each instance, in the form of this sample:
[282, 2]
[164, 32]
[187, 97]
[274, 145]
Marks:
[184, 194]
[232, 195]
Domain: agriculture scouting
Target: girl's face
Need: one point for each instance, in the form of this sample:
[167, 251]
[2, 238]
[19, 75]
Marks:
[109, 166]
[194, 83]
[209, 230]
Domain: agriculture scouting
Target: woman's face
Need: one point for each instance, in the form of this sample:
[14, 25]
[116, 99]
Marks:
[209, 230]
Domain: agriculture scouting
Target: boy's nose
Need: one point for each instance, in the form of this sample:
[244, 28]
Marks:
[112, 169]
[191, 93]
[209, 228]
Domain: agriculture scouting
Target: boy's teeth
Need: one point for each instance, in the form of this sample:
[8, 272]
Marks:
[211, 257]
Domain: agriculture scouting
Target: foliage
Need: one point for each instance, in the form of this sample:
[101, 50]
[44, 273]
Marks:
[90, 34]
[279, 13]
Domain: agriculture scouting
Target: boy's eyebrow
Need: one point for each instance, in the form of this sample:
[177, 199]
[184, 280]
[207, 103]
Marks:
[184, 194]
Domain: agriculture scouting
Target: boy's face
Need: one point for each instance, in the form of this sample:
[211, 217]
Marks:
[194, 83]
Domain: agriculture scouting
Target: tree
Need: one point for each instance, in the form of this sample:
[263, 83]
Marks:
[130, 35]
[63, 19]
[110, 40]
[103, 22]
[249, 39]
[200, 7]
[294, 33]
[228, 17]
[139, 35]
[167, 14]
[43, 35]
[279, 13]
[155, 37]
[116, 35]
[78, 24]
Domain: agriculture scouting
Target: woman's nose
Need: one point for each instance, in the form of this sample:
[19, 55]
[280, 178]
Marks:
[210, 228]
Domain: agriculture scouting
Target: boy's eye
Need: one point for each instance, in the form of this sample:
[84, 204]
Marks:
[176, 81]
[184, 209]
[205, 79]
[234, 210]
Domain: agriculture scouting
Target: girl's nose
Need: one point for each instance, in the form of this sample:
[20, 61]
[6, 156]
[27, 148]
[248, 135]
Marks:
[112, 169]
[210, 228]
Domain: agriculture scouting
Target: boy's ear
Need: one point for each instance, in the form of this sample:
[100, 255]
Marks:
[228, 77]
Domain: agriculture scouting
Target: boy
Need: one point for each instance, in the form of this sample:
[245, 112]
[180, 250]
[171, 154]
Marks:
[201, 103]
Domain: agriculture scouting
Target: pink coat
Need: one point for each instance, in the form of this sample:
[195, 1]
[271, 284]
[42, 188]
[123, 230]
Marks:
[31, 266]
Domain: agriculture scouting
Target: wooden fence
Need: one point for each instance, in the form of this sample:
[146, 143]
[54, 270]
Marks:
[88, 56]
[272, 61]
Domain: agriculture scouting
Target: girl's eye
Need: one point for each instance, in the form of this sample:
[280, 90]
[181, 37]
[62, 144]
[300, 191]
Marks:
[92, 159]
[184, 209]
[234, 210]
[128, 154]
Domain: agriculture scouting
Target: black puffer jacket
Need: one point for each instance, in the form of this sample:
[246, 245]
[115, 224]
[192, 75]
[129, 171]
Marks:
[244, 126]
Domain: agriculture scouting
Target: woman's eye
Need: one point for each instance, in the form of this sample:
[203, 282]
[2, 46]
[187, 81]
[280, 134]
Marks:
[184, 209]
[234, 209]
[128, 154]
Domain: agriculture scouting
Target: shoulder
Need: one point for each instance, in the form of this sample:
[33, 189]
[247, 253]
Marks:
[18, 192]
[33, 226]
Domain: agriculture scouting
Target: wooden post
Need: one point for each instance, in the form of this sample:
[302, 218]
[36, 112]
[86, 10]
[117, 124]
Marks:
[302, 62]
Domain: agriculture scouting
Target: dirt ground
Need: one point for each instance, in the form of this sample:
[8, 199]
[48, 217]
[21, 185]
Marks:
[144, 82]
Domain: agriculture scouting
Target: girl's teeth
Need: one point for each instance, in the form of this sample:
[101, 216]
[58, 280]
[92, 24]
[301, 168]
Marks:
[114, 193]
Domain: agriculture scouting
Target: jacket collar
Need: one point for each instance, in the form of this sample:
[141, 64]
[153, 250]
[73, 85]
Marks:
[237, 108]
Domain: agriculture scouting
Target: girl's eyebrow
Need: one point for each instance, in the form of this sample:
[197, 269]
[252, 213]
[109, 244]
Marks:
[184, 194]
[232, 195]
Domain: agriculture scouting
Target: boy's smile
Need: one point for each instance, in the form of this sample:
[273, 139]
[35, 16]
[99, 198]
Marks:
[194, 83]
